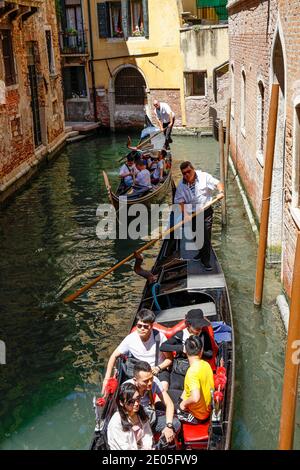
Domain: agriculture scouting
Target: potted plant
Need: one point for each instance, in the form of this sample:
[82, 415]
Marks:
[71, 32]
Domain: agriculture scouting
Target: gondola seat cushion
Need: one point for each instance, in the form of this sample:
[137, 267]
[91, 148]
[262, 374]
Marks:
[194, 433]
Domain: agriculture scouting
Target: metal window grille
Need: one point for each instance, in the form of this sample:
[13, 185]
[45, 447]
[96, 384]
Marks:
[130, 87]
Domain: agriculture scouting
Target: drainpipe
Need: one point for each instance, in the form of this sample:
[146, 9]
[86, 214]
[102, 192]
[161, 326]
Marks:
[91, 62]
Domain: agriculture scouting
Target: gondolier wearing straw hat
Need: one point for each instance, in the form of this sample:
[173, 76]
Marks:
[196, 188]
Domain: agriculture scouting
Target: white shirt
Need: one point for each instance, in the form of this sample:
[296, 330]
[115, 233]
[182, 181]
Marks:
[125, 440]
[163, 113]
[156, 389]
[143, 178]
[126, 169]
[156, 172]
[142, 350]
[204, 187]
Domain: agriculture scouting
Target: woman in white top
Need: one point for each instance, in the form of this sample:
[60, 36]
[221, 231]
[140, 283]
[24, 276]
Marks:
[129, 428]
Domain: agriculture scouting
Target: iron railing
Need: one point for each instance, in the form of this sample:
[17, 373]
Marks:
[73, 42]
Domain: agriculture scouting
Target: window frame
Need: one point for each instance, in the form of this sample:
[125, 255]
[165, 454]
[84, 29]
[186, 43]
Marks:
[295, 202]
[132, 35]
[50, 54]
[260, 129]
[193, 73]
[243, 102]
[13, 77]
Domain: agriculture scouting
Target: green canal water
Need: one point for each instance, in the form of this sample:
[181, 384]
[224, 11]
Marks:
[56, 353]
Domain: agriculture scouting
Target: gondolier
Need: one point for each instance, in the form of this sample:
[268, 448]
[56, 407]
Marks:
[196, 188]
[166, 119]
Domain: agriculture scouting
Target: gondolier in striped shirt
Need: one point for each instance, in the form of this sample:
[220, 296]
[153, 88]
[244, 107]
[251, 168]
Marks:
[196, 188]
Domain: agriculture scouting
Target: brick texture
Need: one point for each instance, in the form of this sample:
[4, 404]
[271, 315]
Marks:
[17, 147]
[253, 27]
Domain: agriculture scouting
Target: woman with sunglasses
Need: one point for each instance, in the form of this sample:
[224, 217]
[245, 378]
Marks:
[129, 428]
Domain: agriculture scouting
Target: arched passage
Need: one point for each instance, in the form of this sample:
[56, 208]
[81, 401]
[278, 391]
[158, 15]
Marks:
[129, 97]
[276, 212]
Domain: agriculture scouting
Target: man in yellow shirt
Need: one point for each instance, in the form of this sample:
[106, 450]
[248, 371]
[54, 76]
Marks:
[198, 384]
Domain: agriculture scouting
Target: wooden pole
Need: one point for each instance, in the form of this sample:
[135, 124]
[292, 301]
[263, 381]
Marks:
[222, 170]
[291, 368]
[266, 196]
[188, 218]
[227, 143]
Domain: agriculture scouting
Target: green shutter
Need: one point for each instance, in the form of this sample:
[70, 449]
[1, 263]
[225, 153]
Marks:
[211, 3]
[146, 18]
[103, 20]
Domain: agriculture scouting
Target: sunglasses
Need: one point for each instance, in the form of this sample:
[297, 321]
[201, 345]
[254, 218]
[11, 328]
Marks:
[146, 326]
[132, 401]
[186, 172]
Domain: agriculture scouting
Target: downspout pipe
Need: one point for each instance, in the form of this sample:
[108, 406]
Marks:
[91, 62]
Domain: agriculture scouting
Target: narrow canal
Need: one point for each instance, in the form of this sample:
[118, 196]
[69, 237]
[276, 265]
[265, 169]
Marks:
[56, 353]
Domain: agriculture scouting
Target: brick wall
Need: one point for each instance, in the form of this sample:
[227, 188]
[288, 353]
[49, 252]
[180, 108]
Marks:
[253, 27]
[17, 148]
[172, 97]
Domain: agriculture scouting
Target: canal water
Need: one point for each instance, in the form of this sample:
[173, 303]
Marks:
[56, 353]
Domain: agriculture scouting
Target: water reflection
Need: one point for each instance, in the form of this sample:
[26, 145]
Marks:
[56, 352]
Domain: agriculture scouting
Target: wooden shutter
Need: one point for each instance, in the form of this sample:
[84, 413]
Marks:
[8, 57]
[125, 18]
[146, 18]
[103, 20]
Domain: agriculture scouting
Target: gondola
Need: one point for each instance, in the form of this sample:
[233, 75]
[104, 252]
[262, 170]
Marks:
[151, 140]
[155, 195]
[184, 284]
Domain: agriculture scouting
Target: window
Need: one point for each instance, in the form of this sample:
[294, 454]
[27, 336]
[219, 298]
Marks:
[50, 51]
[195, 83]
[137, 18]
[74, 82]
[121, 19]
[232, 91]
[296, 159]
[130, 87]
[8, 57]
[260, 120]
[110, 20]
[73, 19]
[243, 102]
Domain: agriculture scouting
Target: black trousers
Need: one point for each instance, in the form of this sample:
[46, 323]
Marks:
[168, 132]
[204, 252]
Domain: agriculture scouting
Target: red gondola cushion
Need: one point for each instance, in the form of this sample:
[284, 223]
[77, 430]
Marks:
[195, 432]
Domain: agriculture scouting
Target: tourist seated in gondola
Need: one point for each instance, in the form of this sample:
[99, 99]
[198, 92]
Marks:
[195, 322]
[143, 179]
[151, 278]
[143, 345]
[195, 404]
[155, 401]
[158, 167]
[128, 171]
[129, 428]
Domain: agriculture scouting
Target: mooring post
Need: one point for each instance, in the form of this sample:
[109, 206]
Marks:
[266, 196]
[292, 358]
[222, 170]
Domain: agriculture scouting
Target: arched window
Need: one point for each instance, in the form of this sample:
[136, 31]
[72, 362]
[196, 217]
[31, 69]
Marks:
[232, 91]
[243, 102]
[260, 134]
[130, 87]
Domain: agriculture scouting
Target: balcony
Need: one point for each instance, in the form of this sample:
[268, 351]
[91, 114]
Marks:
[73, 42]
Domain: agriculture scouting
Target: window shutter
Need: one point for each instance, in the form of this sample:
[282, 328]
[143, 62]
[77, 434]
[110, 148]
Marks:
[103, 20]
[146, 18]
[125, 18]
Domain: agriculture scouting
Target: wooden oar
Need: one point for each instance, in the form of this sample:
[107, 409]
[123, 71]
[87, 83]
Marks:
[83, 289]
[141, 145]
